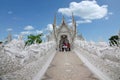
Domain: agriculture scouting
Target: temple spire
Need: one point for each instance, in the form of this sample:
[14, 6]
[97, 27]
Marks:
[73, 20]
[54, 28]
[74, 28]
[54, 24]
[63, 20]
[74, 23]
[9, 38]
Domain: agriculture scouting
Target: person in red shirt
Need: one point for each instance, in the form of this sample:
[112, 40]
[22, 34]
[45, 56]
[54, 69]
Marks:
[68, 46]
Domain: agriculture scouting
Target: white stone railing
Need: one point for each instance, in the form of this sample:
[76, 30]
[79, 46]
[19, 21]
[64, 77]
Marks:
[105, 59]
[27, 63]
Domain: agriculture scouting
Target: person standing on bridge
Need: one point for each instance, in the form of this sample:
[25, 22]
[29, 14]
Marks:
[64, 47]
[68, 46]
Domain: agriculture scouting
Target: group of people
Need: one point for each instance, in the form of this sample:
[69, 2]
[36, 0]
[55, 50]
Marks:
[66, 47]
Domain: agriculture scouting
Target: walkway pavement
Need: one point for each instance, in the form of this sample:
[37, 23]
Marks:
[67, 66]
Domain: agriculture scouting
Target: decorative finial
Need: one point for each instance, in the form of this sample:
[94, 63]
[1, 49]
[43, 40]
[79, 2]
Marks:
[74, 24]
[73, 21]
[55, 20]
[63, 21]
[54, 24]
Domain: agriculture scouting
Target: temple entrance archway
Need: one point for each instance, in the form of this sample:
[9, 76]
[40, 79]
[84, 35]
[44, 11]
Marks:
[64, 44]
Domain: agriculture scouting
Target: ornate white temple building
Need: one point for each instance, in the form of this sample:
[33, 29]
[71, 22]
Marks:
[64, 33]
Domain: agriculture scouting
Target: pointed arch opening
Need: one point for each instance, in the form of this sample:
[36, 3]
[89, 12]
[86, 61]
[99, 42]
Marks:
[64, 44]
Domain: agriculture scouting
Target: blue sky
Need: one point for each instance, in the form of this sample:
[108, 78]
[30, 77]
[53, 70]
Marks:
[96, 19]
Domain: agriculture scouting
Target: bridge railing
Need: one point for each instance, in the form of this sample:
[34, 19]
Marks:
[104, 58]
[19, 61]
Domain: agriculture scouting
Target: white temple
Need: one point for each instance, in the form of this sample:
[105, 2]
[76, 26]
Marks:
[64, 33]
[31, 62]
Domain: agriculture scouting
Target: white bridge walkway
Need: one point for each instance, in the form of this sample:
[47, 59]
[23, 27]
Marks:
[42, 62]
[68, 66]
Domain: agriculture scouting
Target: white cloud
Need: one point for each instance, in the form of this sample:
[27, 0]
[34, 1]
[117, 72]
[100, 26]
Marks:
[49, 27]
[31, 32]
[25, 32]
[28, 28]
[88, 10]
[9, 29]
[83, 21]
[39, 31]
[110, 13]
[70, 24]
[80, 22]
[10, 12]
[44, 36]
[106, 18]
[15, 35]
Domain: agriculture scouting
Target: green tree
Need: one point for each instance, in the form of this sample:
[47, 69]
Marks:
[114, 40]
[34, 39]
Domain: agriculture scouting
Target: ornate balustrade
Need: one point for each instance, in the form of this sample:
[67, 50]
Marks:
[106, 59]
[25, 63]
